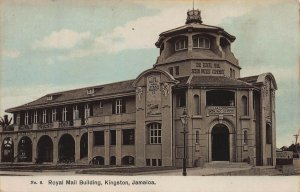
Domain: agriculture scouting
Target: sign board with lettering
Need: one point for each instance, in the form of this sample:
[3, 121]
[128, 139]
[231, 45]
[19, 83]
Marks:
[207, 68]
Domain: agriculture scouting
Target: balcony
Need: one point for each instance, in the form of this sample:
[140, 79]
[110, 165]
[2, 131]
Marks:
[220, 110]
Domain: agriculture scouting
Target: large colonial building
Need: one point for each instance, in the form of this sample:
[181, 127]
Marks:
[137, 122]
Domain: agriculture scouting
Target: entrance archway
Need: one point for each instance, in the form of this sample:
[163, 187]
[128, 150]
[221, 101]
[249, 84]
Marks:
[66, 149]
[220, 143]
[25, 150]
[45, 149]
[7, 150]
[84, 145]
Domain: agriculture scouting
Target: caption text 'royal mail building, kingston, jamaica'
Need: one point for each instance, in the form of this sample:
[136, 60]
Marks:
[138, 122]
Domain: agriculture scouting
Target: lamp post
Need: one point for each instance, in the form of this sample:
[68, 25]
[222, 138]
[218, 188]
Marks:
[184, 119]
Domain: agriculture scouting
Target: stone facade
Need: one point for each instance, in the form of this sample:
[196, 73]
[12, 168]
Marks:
[138, 122]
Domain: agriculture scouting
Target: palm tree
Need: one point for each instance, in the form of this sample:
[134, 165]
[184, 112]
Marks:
[5, 122]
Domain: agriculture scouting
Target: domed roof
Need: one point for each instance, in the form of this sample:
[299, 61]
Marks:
[193, 23]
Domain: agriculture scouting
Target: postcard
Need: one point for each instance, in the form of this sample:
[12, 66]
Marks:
[140, 95]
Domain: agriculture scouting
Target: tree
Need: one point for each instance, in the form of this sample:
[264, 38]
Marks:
[5, 122]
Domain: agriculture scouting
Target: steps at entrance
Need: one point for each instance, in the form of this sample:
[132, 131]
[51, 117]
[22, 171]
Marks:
[226, 164]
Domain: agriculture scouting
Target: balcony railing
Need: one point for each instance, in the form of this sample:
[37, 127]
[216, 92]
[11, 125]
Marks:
[64, 124]
[214, 110]
[25, 127]
[115, 118]
[45, 126]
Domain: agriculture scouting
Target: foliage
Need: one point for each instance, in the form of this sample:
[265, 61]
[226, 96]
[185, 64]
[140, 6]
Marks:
[5, 121]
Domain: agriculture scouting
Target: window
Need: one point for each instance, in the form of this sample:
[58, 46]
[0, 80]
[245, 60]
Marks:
[64, 114]
[181, 99]
[155, 133]
[245, 105]
[90, 91]
[112, 137]
[232, 73]
[177, 70]
[128, 136]
[75, 112]
[26, 118]
[44, 120]
[197, 137]
[196, 105]
[35, 117]
[159, 163]
[54, 115]
[98, 138]
[153, 162]
[87, 111]
[100, 104]
[181, 44]
[200, 42]
[245, 137]
[171, 70]
[148, 162]
[268, 134]
[220, 98]
[119, 106]
[49, 98]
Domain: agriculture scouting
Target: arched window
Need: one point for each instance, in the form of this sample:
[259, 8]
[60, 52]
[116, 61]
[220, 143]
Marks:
[201, 42]
[245, 137]
[128, 160]
[245, 105]
[181, 44]
[268, 134]
[155, 133]
[197, 137]
[196, 105]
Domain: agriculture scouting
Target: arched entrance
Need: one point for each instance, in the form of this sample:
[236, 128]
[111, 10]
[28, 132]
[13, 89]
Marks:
[220, 143]
[45, 149]
[25, 150]
[84, 146]
[7, 150]
[66, 149]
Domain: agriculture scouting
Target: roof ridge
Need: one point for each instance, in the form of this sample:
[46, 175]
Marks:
[95, 86]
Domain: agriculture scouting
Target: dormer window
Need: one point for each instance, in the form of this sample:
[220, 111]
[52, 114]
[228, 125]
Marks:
[181, 44]
[201, 42]
[91, 91]
[49, 98]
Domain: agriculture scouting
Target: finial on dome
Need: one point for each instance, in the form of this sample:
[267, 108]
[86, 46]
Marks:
[193, 16]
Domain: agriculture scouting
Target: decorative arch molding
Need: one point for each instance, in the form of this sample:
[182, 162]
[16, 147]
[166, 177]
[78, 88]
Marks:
[24, 136]
[225, 122]
[170, 78]
[262, 77]
[231, 131]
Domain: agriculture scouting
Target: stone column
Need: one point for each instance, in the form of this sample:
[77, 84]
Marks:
[55, 149]
[77, 146]
[263, 130]
[251, 134]
[15, 140]
[106, 146]
[34, 147]
[273, 119]
[118, 147]
[90, 145]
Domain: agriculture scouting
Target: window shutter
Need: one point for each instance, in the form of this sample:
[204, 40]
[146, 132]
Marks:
[113, 107]
[91, 109]
[123, 106]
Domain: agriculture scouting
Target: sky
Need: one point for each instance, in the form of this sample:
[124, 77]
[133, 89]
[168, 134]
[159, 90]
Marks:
[49, 46]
